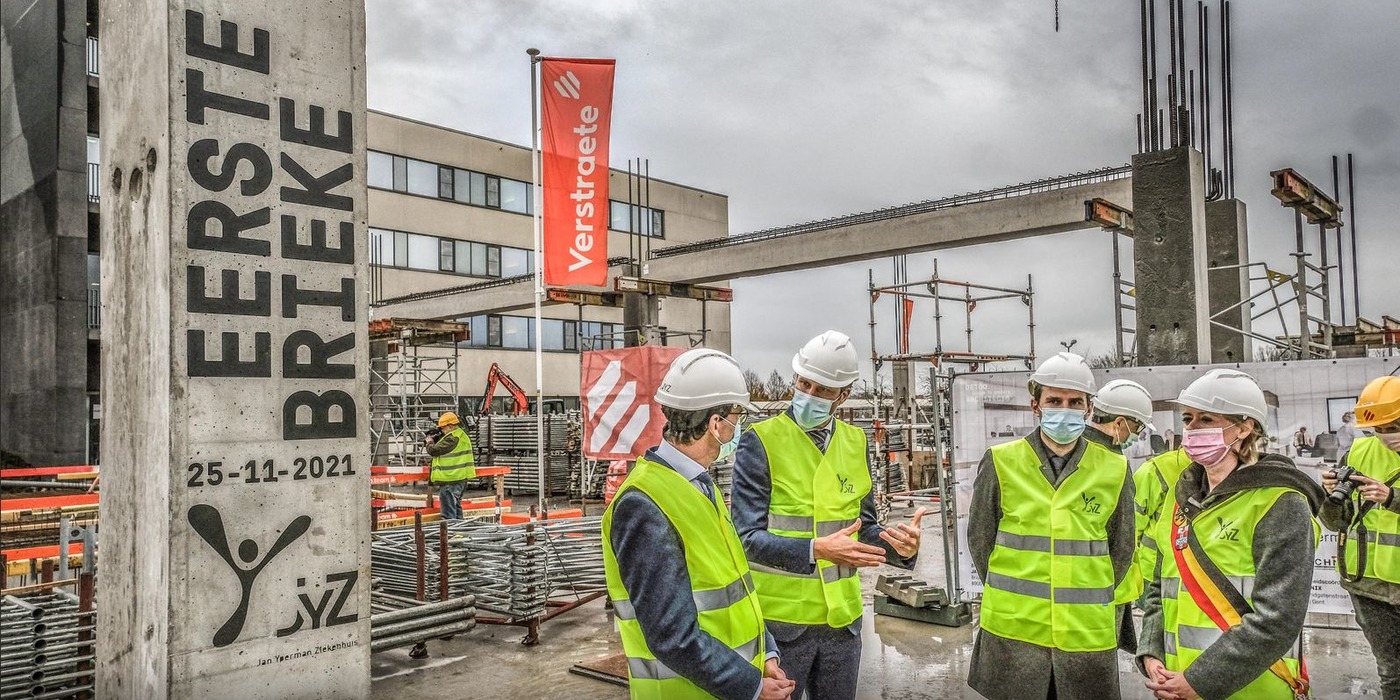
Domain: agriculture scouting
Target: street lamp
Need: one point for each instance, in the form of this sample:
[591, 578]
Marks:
[1070, 344]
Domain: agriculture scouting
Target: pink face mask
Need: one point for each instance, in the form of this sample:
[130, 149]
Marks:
[1206, 446]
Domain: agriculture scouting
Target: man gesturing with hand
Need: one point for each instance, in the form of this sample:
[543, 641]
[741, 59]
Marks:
[805, 514]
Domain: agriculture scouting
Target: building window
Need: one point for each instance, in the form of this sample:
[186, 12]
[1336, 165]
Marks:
[445, 183]
[493, 331]
[422, 178]
[446, 250]
[422, 252]
[493, 192]
[515, 196]
[381, 170]
[516, 332]
[635, 219]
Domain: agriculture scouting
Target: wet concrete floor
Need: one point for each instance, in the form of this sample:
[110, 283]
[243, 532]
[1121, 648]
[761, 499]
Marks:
[901, 659]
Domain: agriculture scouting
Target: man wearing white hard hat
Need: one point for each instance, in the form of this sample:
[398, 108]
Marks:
[1122, 410]
[1050, 530]
[805, 512]
[690, 622]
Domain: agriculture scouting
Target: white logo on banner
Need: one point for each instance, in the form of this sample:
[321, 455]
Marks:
[615, 403]
[568, 85]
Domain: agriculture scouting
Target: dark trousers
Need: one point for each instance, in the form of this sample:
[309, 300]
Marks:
[1380, 622]
[823, 661]
[450, 499]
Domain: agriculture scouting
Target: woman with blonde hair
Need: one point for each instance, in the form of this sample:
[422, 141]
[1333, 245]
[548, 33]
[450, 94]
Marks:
[1226, 604]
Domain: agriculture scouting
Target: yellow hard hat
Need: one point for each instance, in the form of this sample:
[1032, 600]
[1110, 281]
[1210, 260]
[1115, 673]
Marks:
[1379, 403]
[446, 419]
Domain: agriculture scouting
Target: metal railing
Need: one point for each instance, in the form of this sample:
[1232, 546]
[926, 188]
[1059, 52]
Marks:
[92, 57]
[1055, 183]
[94, 307]
[94, 182]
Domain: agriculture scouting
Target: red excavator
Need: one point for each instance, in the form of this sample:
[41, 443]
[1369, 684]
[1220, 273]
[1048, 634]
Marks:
[495, 376]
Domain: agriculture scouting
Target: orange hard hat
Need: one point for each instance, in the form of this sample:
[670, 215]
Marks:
[446, 419]
[1379, 403]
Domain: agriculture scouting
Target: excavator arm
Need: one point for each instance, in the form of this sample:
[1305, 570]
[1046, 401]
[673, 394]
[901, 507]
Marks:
[496, 376]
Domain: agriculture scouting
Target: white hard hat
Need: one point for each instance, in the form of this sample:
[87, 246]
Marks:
[828, 359]
[1063, 370]
[1121, 397]
[1226, 391]
[703, 378]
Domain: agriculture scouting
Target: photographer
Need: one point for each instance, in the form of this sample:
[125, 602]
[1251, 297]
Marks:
[1362, 506]
[453, 464]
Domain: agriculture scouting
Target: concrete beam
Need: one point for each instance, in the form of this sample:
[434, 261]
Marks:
[1169, 258]
[1011, 218]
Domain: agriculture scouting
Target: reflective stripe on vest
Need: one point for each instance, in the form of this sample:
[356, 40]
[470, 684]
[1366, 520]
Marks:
[1226, 533]
[721, 585]
[1152, 480]
[1371, 457]
[1050, 580]
[458, 464]
[814, 494]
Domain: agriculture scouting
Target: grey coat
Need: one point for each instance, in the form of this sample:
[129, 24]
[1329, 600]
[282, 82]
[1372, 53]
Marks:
[1283, 548]
[1007, 669]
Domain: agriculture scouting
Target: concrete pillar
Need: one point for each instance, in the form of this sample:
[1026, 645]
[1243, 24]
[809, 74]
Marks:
[901, 391]
[235, 557]
[641, 314]
[1228, 244]
[43, 232]
[1169, 261]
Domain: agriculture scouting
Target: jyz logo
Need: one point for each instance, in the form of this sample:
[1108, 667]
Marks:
[1228, 531]
[334, 617]
[206, 520]
[1091, 504]
[846, 486]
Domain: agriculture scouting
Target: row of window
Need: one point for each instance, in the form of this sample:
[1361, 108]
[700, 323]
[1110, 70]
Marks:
[518, 333]
[402, 174]
[416, 251]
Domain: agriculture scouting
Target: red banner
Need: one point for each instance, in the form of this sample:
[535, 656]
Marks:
[620, 419]
[576, 124]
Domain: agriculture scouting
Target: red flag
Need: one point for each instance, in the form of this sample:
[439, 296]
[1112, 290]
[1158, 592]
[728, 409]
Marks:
[577, 117]
[620, 419]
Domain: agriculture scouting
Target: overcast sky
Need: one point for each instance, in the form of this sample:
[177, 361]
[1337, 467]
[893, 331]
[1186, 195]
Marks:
[804, 110]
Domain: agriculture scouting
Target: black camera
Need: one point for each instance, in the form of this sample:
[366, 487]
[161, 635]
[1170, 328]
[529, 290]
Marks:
[1345, 486]
[433, 433]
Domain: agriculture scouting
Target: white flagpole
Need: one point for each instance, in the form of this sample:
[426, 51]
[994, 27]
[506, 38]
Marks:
[538, 215]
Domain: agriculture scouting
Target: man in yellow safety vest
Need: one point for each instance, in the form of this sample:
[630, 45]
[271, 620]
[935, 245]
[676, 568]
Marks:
[453, 464]
[686, 609]
[1050, 530]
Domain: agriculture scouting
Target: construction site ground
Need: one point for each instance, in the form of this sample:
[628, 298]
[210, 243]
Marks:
[901, 659]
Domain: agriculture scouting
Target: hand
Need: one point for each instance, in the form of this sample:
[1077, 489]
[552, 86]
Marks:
[904, 537]
[774, 689]
[1329, 480]
[1371, 490]
[1172, 687]
[839, 548]
[428, 440]
[771, 669]
[1156, 670]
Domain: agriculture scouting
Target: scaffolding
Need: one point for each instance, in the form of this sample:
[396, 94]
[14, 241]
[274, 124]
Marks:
[412, 381]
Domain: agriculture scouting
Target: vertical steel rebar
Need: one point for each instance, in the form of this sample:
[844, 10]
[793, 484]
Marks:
[1355, 276]
[1341, 251]
[420, 556]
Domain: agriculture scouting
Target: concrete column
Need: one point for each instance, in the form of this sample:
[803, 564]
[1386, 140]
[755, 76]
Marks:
[235, 558]
[1228, 244]
[640, 316]
[1169, 261]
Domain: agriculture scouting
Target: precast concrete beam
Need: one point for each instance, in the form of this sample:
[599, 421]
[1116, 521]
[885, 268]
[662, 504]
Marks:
[1227, 245]
[1010, 218]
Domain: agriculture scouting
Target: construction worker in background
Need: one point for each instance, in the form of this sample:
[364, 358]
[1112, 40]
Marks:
[1151, 482]
[686, 609]
[453, 464]
[1224, 612]
[1122, 411]
[1050, 530]
[1369, 522]
[805, 512]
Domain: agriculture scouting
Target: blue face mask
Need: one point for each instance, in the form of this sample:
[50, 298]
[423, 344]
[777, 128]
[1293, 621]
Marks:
[1132, 438]
[1062, 425]
[727, 448]
[809, 411]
